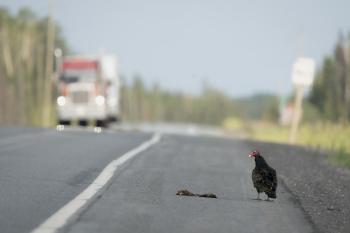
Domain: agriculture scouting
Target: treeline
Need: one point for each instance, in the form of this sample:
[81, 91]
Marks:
[330, 93]
[151, 104]
[24, 81]
[23, 66]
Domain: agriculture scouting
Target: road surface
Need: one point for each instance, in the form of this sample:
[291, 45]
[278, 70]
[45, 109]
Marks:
[42, 170]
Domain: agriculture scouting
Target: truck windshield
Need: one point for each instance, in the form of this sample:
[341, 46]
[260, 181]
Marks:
[78, 76]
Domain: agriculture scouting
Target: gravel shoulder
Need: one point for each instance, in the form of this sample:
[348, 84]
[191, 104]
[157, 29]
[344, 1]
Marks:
[322, 189]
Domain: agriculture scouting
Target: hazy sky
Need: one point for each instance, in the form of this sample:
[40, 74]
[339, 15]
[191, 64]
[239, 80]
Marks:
[241, 47]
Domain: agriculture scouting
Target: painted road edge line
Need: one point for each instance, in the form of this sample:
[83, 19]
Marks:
[76, 206]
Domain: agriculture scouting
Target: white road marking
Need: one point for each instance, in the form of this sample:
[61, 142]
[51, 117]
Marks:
[72, 209]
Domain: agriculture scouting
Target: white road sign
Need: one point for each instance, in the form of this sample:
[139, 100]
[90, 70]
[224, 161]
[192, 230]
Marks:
[303, 71]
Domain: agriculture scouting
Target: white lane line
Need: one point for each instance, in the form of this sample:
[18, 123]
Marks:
[72, 209]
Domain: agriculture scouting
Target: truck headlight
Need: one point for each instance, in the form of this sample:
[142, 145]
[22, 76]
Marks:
[100, 100]
[61, 101]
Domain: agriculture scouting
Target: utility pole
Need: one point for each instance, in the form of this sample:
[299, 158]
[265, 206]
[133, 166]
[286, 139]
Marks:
[298, 99]
[297, 113]
[346, 48]
[50, 43]
[302, 77]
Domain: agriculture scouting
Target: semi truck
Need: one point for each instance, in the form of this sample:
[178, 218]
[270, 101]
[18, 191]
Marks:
[88, 90]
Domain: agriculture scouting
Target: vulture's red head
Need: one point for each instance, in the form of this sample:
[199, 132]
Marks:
[254, 153]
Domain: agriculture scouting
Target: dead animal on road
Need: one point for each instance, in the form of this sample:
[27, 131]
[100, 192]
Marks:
[185, 192]
[264, 177]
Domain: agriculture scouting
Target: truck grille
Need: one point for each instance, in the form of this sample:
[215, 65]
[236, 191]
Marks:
[80, 97]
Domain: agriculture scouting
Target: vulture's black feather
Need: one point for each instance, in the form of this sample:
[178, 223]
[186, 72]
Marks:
[264, 177]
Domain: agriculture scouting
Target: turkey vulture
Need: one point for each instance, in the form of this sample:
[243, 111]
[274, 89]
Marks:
[264, 177]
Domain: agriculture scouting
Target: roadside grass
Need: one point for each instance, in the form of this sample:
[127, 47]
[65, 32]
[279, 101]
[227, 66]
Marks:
[334, 138]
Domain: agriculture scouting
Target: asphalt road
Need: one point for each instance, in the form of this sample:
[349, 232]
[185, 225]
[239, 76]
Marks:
[142, 197]
[41, 170]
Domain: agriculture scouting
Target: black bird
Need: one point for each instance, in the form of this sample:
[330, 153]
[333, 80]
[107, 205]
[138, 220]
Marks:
[264, 177]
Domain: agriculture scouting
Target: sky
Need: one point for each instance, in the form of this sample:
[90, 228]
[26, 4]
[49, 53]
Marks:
[239, 47]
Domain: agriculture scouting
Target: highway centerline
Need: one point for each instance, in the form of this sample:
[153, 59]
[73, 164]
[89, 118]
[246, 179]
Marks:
[69, 212]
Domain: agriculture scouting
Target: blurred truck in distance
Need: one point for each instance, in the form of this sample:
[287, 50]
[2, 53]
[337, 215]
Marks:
[88, 90]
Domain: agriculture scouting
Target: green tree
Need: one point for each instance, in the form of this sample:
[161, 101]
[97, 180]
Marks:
[330, 92]
[22, 66]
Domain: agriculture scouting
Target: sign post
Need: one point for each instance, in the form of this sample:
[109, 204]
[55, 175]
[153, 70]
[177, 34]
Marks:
[302, 77]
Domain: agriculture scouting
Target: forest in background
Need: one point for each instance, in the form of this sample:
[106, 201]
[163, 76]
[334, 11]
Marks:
[24, 67]
[24, 81]
[24, 84]
[211, 107]
[330, 94]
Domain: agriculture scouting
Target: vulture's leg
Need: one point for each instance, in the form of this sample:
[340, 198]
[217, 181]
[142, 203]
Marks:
[258, 198]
